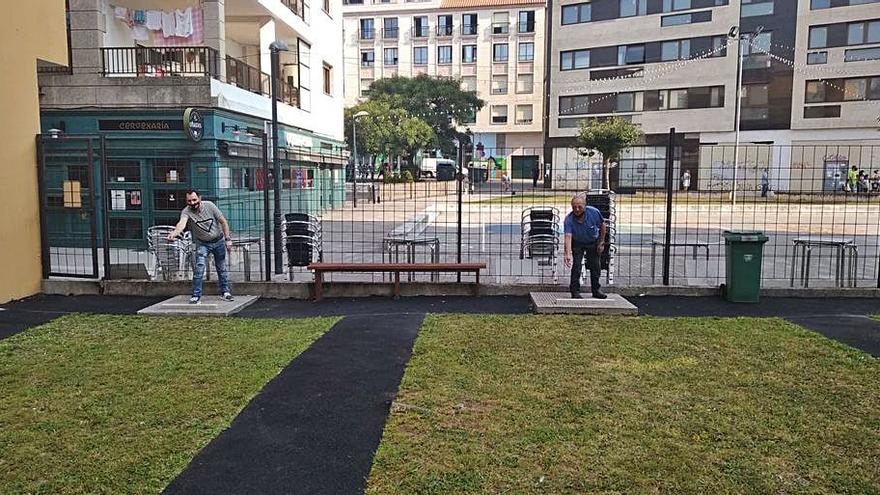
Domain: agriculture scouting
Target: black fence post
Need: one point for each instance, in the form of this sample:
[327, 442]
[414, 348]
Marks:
[458, 195]
[267, 227]
[104, 214]
[41, 188]
[670, 155]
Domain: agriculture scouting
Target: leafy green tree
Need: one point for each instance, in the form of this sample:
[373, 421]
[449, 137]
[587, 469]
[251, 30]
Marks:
[387, 129]
[610, 138]
[439, 102]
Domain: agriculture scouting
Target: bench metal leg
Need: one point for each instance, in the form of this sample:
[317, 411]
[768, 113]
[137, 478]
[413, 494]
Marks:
[477, 285]
[794, 258]
[319, 285]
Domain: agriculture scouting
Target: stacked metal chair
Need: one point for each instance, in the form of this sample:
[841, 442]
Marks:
[603, 200]
[302, 236]
[172, 260]
[540, 232]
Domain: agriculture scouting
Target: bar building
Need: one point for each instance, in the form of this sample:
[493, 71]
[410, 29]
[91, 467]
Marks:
[173, 94]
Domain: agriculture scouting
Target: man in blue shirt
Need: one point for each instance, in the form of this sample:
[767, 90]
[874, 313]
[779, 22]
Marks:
[585, 240]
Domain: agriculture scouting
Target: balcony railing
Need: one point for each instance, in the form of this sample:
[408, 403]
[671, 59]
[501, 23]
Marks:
[445, 30]
[159, 62]
[420, 31]
[526, 27]
[202, 61]
[368, 34]
[300, 8]
[468, 29]
[390, 33]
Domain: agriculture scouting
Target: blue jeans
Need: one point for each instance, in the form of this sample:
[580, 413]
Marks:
[218, 249]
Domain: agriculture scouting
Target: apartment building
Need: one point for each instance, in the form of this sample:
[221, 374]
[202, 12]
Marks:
[673, 63]
[495, 47]
[178, 93]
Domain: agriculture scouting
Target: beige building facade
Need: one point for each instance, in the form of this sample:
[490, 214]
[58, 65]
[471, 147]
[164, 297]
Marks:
[35, 32]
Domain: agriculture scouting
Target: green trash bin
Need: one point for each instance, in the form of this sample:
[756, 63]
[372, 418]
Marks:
[744, 251]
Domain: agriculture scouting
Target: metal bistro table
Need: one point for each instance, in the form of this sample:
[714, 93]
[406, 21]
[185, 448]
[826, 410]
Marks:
[245, 244]
[845, 249]
[696, 245]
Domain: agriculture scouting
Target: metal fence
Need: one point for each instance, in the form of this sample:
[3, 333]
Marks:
[819, 205]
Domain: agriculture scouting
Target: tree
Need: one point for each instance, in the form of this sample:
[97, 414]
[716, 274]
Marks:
[609, 137]
[441, 103]
[387, 130]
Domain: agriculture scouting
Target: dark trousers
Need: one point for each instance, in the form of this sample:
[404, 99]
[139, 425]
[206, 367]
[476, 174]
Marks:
[584, 254]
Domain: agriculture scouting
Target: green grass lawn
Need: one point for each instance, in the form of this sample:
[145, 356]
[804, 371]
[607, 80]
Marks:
[120, 404]
[573, 405]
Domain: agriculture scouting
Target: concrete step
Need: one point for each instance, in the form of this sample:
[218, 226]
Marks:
[209, 306]
[562, 303]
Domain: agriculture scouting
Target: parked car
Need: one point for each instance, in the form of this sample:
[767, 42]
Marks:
[429, 166]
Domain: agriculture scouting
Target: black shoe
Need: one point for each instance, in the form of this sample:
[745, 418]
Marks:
[599, 295]
[576, 295]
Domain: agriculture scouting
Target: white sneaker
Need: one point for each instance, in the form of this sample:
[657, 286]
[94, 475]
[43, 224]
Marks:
[227, 297]
[195, 300]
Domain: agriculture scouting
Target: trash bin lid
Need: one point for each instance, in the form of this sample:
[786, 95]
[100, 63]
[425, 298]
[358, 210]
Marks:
[744, 236]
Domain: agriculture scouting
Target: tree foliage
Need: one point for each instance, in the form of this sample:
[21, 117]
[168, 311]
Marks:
[441, 103]
[610, 138]
[388, 130]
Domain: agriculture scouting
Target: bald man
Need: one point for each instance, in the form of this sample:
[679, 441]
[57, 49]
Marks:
[584, 240]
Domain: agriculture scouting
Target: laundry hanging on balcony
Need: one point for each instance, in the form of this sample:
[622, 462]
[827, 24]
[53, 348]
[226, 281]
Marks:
[179, 27]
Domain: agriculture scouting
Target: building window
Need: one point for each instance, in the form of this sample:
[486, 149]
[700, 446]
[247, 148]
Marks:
[469, 83]
[499, 114]
[859, 33]
[170, 171]
[719, 46]
[855, 89]
[859, 55]
[574, 59]
[673, 99]
[675, 50]
[365, 87]
[499, 52]
[444, 55]
[630, 8]
[756, 53]
[524, 115]
[328, 79]
[526, 22]
[631, 54]
[673, 5]
[818, 37]
[526, 52]
[368, 58]
[469, 24]
[420, 27]
[444, 25]
[816, 58]
[499, 84]
[390, 57]
[682, 19]
[755, 95]
[500, 23]
[367, 30]
[820, 4]
[468, 54]
[525, 83]
[391, 30]
[756, 9]
[626, 102]
[420, 55]
[573, 105]
[576, 14]
[815, 92]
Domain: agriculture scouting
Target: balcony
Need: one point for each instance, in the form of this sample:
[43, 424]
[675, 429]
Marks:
[144, 61]
[500, 28]
[468, 29]
[444, 31]
[390, 33]
[368, 34]
[527, 27]
[524, 121]
[420, 32]
[202, 61]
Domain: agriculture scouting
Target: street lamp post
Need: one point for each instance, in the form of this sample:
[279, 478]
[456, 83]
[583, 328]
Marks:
[734, 32]
[275, 48]
[354, 150]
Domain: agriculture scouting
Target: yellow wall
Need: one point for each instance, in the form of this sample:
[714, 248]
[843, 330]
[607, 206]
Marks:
[35, 29]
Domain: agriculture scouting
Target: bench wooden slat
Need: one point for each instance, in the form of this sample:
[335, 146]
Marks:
[396, 268]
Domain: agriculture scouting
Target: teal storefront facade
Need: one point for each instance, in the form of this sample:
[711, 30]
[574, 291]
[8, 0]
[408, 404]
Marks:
[145, 161]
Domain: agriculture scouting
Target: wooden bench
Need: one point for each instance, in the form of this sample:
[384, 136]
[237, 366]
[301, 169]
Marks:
[396, 268]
